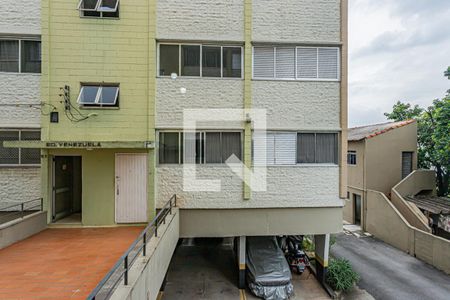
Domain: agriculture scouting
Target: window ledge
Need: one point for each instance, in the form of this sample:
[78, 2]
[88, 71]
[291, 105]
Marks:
[12, 166]
[98, 107]
[19, 73]
[296, 80]
[198, 77]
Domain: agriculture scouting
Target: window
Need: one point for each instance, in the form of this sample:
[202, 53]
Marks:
[169, 59]
[190, 60]
[300, 63]
[169, 147]
[106, 95]
[290, 148]
[200, 60]
[99, 8]
[407, 163]
[198, 147]
[317, 148]
[20, 56]
[280, 148]
[351, 157]
[19, 156]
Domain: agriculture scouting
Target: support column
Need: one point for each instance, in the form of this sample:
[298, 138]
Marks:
[322, 243]
[247, 91]
[241, 253]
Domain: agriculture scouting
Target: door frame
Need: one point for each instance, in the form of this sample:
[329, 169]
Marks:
[53, 182]
[355, 213]
[116, 181]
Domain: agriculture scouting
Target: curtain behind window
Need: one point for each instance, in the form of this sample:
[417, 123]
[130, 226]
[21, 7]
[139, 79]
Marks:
[306, 144]
[213, 151]
[326, 148]
[9, 56]
[31, 57]
[231, 144]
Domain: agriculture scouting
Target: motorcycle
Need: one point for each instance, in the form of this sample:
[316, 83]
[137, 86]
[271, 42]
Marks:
[295, 256]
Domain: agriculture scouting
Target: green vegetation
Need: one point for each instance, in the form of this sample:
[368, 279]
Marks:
[340, 275]
[433, 137]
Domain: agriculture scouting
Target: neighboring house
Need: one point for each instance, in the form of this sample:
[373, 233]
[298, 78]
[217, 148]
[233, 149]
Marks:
[379, 157]
[20, 68]
[113, 146]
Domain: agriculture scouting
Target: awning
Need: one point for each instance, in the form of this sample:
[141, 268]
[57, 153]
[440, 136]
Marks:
[79, 144]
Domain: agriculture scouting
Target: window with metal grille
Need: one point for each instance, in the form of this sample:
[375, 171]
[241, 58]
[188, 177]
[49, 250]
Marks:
[99, 8]
[20, 56]
[199, 147]
[351, 157]
[296, 63]
[19, 156]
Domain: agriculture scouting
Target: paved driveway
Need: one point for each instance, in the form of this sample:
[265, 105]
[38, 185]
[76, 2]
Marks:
[61, 263]
[206, 269]
[387, 273]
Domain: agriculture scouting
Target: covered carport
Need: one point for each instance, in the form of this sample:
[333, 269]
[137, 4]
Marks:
[206, 268]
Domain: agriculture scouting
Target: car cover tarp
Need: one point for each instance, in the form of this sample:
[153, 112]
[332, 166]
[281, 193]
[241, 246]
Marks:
[268, 273]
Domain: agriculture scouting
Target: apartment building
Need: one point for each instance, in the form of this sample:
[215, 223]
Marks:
[20, 75]
[119, 77]
[379, 157]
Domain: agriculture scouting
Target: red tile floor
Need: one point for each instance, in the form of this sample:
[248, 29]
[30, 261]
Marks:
[61, 263]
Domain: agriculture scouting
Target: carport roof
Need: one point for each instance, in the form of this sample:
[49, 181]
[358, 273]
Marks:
[433, 204]
[370, 131]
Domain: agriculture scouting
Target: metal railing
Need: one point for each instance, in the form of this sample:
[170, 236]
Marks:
[120, 270]
[20, 210]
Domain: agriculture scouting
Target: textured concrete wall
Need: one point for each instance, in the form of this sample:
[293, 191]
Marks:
[298, 105]
[287, 187]
[147, 274]
[19, 88]
[260, 221]
[200, 20]
[200, 93]
[18, 185]
[20, 16]
[21, 229]
[296, 20]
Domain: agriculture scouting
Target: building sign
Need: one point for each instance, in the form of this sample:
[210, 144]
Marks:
[73, 145]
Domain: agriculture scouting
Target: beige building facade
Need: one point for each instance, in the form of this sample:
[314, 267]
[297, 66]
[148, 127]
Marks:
[379, 157]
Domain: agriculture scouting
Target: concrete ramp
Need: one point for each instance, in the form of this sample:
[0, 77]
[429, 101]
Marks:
[147, 273]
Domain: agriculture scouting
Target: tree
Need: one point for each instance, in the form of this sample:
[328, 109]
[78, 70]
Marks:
[447, 73]
[433, 137]
[403, 111]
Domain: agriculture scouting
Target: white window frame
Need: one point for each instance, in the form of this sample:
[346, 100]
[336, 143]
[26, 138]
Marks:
[201, 60]
[274, 164]
[352, 152]
[203, 149]
[20, 164]
[97, 97]
[97, 9]
[295, 61]
[20, 53]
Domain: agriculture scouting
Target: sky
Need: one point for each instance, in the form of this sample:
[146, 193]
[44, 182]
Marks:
[398, 50]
